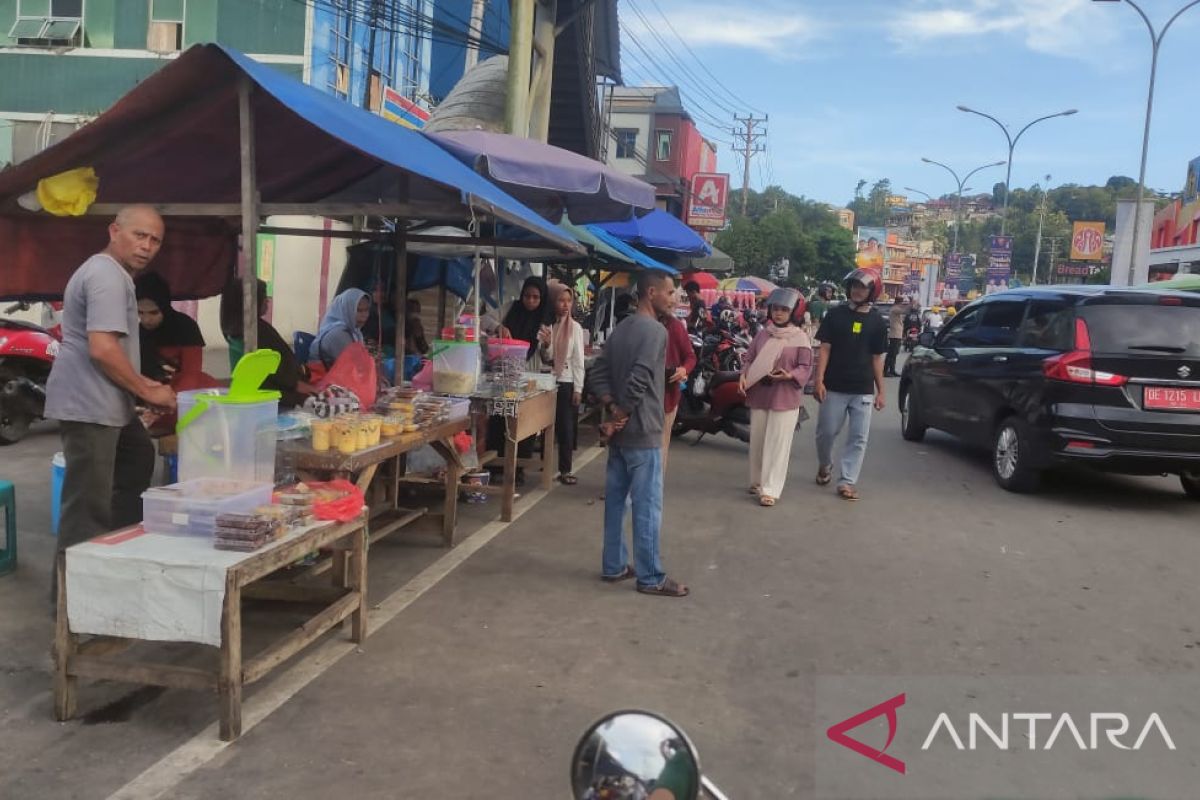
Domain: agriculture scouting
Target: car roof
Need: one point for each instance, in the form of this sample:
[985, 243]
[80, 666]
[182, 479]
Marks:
[1082, 293]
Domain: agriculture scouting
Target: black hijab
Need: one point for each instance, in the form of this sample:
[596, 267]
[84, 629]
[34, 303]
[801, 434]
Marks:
[177, 329]
[524, 324]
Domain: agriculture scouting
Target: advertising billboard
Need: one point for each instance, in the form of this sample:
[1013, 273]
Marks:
[999, 264]
[1087, 241]
[872, 249]
[706, 207]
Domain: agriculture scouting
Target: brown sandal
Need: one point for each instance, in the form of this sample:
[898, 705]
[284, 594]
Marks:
[824, 476]
[623, 575]
[755, 490]
[668, 588]
[847, 492]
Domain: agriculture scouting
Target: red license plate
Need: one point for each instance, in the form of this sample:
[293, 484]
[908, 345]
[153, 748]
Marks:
[1166, 398]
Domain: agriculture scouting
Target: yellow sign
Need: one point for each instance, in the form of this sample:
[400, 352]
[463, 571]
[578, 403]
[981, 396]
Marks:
[1087, 241]
[857, 327]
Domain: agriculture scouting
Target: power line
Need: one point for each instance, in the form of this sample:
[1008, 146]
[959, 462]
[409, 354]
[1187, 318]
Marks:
[668, 77]
[698, 84]
[410, 23]
[716, 81]
[694, 108]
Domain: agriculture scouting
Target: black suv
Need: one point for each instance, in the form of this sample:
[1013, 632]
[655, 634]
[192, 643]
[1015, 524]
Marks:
[1096, 375]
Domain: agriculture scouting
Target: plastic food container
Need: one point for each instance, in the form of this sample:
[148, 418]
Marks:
[191, 507]
[455, 367]
[345, 435]
[233, 440]
[458, 408]
[322, 434]
[515, 349]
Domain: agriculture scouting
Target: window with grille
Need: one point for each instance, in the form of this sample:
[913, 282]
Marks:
[48, 23]
[626, 142]
[340, 34]
[165, 34]
[663, 145]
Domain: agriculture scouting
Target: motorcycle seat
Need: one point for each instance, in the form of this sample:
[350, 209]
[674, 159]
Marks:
[722, 378]
[18, 324]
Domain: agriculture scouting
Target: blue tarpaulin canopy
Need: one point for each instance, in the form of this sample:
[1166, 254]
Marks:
[174, 141]
[660, 231]
[631, 253]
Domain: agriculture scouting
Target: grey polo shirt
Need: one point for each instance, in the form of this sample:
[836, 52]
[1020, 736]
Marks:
[99, 297]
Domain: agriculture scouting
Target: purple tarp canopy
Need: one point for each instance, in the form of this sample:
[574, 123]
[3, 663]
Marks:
[549, 179]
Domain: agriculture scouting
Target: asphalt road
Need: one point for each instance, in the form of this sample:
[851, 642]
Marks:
[481, 687]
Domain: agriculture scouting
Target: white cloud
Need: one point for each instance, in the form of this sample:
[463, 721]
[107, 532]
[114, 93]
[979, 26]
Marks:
[1072, 28]
[775, 31]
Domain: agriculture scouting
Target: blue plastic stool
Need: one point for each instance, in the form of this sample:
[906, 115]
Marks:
[8, 499]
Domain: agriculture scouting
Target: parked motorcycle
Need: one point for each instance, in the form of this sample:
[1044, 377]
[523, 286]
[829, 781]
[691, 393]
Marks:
[27, 352]
[638, 755]
[712, 401]
[911, 336]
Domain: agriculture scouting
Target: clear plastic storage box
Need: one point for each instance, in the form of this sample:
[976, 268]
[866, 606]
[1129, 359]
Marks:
[191, 507]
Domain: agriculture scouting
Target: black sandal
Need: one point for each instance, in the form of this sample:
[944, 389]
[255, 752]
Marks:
[668, 588]
[624, 575]
[568, 479]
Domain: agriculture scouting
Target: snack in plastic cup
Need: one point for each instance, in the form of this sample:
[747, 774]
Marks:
[363, 431]
[374, 424]
[345, 433]
[390, 426]
[322, 434]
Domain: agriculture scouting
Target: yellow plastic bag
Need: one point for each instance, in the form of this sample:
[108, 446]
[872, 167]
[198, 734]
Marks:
[70, 193]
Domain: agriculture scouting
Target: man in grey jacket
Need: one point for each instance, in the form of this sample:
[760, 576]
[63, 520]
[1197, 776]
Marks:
[629, 377]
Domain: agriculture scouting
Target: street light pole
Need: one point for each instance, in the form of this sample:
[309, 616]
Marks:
[1012, 144]
[1037, 247]
[1155, 42]
[918, 191]
[960, 183]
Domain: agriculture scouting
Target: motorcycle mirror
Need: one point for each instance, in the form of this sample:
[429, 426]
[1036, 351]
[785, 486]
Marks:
[635, 754]
[926, 339]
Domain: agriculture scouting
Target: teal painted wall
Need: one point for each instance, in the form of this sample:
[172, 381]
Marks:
[8, 15]
[132, 22]
[68, 84]
[262, 26]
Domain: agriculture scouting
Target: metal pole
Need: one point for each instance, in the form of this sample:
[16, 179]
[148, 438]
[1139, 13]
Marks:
[474, 34]
[1037, 247]
[520, 65]
[545, 19]
[249, 217]
[1155, 41]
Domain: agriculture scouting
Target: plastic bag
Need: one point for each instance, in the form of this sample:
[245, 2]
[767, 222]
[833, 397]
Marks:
[424, 378]
[348, 506]
[355, 370]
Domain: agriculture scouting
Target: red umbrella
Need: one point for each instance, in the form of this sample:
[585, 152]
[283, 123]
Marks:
[705, 280]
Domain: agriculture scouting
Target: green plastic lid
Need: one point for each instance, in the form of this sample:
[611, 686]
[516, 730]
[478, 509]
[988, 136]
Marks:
[245, 387]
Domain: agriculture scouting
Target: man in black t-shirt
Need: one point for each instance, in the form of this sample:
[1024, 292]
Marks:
[849, 381]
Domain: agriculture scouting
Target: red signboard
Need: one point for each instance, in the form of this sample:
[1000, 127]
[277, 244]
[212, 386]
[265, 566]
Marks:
[706, 206]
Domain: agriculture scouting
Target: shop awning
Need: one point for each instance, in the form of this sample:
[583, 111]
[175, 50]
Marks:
[173, 141]
[631, 254]
[661, 231]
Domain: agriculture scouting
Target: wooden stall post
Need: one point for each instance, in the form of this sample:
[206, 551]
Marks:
[64, 649]
[400, 245]
[229, 681]
[249, 217]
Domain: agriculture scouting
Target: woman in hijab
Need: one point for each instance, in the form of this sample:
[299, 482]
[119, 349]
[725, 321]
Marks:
[562, 348]
[342, 325]
[290, 377]
[171, 343]
[527, 315]
[773, 378]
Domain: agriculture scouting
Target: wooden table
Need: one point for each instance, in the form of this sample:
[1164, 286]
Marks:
[347, 598]
[531, 414]
[388, 517]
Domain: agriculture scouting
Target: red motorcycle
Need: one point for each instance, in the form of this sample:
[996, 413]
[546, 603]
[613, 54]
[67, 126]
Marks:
[712, 401]
[27, 351]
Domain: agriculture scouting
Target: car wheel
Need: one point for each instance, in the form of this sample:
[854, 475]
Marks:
[1013, 457]
[912, 427]
[1191, 484]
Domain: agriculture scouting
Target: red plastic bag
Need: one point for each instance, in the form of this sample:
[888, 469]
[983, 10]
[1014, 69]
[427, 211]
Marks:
[354, 370]
[345, 508]
[424, 378]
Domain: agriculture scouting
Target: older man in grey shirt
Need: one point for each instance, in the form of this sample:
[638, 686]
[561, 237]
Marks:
[629, 377]
[96, 380]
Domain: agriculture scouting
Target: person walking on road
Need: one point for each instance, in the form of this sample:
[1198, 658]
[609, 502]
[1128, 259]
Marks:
[96, 380]
[849, 382]
[896, 318]
[681, 360]
[629, 377]
[776, 370]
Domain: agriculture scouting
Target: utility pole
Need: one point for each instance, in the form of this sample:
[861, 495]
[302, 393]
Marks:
[1037, 247]
[748, 146]
[474, 33]
[373, 23]
[1053, 253]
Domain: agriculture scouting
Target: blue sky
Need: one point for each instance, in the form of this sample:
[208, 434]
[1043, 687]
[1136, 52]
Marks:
[865, 88]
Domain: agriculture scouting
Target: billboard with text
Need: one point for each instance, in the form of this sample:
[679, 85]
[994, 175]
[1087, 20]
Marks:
[706, 207]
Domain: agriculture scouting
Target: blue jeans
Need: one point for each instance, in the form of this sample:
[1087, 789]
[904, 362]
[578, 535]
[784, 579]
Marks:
[636, 473]
[834, 412]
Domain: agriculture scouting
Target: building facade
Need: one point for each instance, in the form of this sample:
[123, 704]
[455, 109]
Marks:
[65, 61]
[1175, 237]
[652, 137]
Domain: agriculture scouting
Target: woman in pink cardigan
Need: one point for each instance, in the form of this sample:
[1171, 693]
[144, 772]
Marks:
[773, 377]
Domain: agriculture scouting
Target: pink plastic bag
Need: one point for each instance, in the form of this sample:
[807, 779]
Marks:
[424, 379]
[354, 370]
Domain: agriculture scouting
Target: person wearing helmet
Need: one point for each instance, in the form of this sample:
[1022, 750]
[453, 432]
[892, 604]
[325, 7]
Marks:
[849, 381]
[775, 370]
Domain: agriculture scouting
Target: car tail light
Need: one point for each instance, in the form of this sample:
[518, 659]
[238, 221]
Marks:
[1170, 301]
[1076, 366]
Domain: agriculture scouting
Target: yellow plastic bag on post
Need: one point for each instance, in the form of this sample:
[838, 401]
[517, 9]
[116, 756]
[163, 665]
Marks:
[70, 193]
